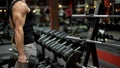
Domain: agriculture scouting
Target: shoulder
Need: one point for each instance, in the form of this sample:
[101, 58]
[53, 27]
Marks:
[20, 6]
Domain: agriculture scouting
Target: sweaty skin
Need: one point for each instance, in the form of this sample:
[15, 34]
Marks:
[19, 11]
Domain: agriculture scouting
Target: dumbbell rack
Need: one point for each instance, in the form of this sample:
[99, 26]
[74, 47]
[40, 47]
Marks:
[63, 53]
[91, 46]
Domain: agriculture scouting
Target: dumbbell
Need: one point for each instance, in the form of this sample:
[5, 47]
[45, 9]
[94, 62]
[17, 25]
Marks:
[59, 50]
[38, 28]
[62, 35]
[31, 60]
[58, 46]
[41, 38]
[50, 42]
[4, 60]
[46, 31]
[53, 44]
[58, 32]
[44, 36]
[51, 32]
[69, 51]
[45, 40]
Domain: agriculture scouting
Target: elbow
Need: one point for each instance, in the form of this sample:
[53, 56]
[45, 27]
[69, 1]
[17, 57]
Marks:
[19, 30]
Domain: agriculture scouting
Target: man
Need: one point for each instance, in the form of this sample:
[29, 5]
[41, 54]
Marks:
[23, 31]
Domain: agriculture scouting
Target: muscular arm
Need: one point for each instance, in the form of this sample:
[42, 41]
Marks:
[19, 16]
[19, 11]
[19, 34]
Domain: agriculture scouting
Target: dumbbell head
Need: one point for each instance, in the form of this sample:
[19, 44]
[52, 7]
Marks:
[45, 40]
[69, 51]
[49, 41]
[58, 46]
[32, 60]
[73, 60]
[46, 31]
[54, 43]
[41, 38]
[59, 50]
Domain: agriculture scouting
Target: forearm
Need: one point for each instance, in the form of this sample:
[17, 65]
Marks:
[19, 40]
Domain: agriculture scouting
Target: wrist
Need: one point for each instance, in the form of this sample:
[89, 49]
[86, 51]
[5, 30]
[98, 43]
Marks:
[21, 53]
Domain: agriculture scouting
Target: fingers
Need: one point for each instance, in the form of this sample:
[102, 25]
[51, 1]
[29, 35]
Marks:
[22, 59]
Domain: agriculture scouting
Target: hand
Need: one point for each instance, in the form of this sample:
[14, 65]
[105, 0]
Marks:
[22, 59]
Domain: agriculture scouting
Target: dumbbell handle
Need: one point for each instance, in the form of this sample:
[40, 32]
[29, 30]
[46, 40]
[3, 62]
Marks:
[54, 43]
[77, 48]
[52, 31]
[63, 48]
[66, 49]
[43, 42]
[61, 35]
[70, 51]
[55, 49]
[50, 41]
[57, 33]
[42, 37]
[46, 31]
[58, 46]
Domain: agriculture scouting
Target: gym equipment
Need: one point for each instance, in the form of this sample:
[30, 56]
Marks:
[93, 31]
[92, 41]
[80, 15]
[50, 46]
[58, 46]
[74, 60]
[13, 58]
[106, 36]
[59, 50]
[55, 43]
[5, 60]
